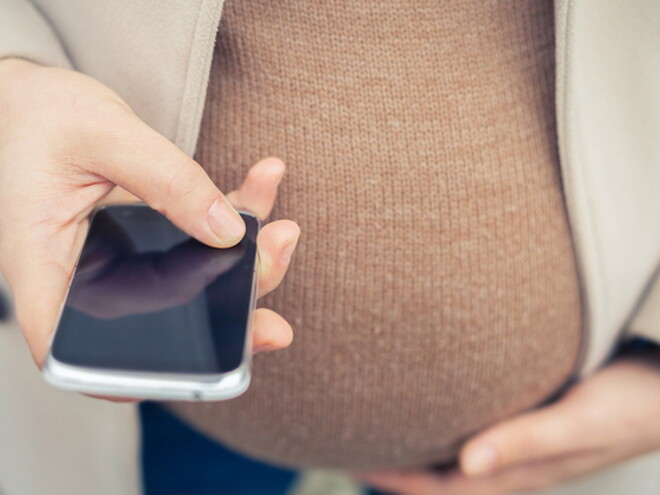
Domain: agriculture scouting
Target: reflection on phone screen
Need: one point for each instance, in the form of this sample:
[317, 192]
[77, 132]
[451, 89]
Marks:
[148, 297]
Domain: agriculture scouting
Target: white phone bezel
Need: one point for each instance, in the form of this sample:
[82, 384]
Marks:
[151, 385]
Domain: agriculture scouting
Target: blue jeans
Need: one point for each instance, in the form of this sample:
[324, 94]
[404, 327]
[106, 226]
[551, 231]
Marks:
[176, 460]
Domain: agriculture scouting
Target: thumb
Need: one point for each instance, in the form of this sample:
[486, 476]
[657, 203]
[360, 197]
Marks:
[530, 437]
[142, 161]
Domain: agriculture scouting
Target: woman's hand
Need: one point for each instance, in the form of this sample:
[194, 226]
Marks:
[608, 418]
[66, 143]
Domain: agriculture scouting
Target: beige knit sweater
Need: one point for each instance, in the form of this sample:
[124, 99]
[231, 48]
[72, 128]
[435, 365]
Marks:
[434, 289]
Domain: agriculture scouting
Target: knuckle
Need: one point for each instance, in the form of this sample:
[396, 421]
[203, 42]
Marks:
[184, 181]
[176, 184]
[103, 122]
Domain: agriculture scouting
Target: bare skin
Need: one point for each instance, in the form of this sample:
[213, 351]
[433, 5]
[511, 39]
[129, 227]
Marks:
[68, 144]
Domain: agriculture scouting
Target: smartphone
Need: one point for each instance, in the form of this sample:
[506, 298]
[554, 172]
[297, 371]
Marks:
[153, 313]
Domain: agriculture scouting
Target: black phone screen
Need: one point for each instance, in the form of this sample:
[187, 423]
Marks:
[147, 297]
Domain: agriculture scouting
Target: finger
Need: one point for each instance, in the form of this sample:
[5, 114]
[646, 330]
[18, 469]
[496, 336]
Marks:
[451, 483]
[258, 192]
[277, 241]
[37, 320]
[533, 436]
[532, 476]
[270, 331]
[118, 195]
[403, 482]
[39, 278]
[146, 164]
[545, 474]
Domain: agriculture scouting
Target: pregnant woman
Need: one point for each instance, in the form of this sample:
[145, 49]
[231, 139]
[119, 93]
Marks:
[442, 287]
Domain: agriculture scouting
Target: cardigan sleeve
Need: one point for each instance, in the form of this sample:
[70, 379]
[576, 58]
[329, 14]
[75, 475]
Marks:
[26, 33]
[645, 322]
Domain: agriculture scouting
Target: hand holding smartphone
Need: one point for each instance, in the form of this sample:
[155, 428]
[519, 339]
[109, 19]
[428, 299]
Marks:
[154, 313]
[54, 174]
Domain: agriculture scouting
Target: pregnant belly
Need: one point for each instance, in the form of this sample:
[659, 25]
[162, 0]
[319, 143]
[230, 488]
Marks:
[411, 332]
[434, 289]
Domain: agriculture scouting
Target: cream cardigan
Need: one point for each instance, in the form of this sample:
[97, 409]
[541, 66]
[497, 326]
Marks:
[157, 56]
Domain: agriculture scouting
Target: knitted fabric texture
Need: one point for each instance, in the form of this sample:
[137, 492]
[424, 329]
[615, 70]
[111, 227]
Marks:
[434, 290]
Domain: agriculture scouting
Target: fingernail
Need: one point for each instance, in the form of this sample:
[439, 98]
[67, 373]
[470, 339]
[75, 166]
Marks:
[287, 252]
[225, 222]
[277, 168]
[481, 460]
